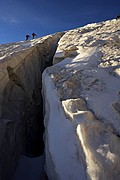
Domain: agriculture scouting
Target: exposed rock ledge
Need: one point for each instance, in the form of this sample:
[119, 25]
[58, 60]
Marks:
[21, 110]
[82, 105]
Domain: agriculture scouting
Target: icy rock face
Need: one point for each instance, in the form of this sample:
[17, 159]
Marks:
[21, 118]
[82, 104]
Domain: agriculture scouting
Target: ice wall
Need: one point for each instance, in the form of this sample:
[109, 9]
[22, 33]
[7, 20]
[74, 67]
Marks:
[82, 105]
[21, 109]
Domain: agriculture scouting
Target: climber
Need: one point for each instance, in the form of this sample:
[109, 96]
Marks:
[33, 35]
[27, 36]
[118, 17]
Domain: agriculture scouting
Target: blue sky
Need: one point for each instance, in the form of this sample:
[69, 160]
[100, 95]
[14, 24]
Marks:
[21, 17]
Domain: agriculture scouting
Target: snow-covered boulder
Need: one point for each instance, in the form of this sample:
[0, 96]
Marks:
[82, 105]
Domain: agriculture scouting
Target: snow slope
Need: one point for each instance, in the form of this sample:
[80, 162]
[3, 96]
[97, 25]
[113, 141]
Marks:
[82, 104]
[9, 49]
[81, 94]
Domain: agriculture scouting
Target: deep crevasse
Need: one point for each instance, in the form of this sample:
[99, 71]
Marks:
[21, 107]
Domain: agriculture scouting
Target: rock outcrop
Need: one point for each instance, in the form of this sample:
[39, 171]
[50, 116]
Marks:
[21, 107]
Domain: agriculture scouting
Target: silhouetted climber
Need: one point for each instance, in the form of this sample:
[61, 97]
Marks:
[33, 35]
[118, 17]
[27, 36]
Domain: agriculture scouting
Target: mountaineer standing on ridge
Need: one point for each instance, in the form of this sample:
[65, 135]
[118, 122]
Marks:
[33, 35]
[27, 36]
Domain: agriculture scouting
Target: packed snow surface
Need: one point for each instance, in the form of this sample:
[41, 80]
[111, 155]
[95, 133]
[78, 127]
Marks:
[11, 48]
[95, 68]
[82, 102]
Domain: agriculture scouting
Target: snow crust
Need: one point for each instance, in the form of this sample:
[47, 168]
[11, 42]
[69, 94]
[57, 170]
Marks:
[59, 131]
[9, 49]
[82, 104]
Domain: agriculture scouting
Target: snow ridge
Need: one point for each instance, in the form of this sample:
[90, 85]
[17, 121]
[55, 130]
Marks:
[82, 91]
